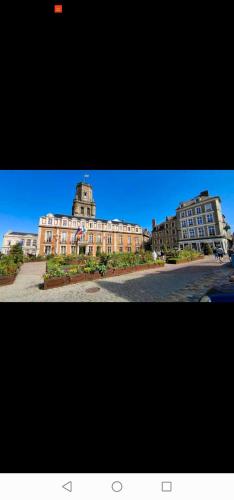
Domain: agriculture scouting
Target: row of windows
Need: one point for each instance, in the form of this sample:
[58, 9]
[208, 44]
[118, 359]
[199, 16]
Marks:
[63, 250]
[91, 238]
[198, 210]
[90, 225]
[200, 221]
[201, 232]
[82, 211]
[27, 243]
[160, 232]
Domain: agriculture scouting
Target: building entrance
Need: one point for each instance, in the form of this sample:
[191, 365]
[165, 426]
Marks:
[82, 250]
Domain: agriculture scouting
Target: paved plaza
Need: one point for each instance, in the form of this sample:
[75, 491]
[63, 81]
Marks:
[181, 283]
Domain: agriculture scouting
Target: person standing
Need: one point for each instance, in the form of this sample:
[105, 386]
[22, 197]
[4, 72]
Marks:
[220, 255]
[215, 252]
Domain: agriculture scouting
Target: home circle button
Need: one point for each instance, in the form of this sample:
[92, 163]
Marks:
[117, 486]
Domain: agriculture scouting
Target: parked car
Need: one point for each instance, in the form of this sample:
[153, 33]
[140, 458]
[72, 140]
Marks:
[220, 294]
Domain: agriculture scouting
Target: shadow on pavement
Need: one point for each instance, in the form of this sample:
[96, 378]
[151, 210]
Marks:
[157, 286]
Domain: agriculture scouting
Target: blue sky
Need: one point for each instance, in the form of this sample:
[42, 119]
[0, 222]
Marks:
[134, 195]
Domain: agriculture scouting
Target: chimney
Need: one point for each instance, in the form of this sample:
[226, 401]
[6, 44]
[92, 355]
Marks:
[154, 223]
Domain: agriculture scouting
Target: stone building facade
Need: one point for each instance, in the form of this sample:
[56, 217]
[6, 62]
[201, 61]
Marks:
[84, 204]
[58, 232]
[200, 221]
[27, 240]
[165, 235]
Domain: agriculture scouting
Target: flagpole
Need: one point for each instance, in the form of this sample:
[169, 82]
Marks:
[86, 176]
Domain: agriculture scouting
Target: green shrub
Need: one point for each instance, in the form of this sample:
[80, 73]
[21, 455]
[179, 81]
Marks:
[104, 258]
[55, 273]
[16, 253]
[90, 269]
[207, 249]
[74, 270]
[8, 268]
[49, 257]
[102, 269]
[188, 255]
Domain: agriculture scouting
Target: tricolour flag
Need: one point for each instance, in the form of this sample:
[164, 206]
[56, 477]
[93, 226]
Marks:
[80, 232]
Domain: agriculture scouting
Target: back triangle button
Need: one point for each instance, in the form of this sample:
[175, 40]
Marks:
[68, 486]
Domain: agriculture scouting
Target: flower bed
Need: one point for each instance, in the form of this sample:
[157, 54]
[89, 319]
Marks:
[184, 261]
[7, 280]
[9, 267]
[54, 282]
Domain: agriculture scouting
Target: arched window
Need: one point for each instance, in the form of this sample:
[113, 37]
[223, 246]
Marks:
[88, 211]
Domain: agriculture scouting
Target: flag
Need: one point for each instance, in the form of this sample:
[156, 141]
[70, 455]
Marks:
[80, 231]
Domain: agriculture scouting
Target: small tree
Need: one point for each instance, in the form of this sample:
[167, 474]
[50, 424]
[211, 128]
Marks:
[207, 249]
[16, 252]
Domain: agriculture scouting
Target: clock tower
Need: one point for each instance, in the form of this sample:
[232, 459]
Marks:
[84, 204]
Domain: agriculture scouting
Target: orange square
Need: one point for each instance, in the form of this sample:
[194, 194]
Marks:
[58, 9]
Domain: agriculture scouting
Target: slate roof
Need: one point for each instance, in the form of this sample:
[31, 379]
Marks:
[23, 234]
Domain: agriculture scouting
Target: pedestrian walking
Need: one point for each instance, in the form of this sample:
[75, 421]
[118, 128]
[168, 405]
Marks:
[220, 255]
[154, 255]
[215, 253]
[162, 255]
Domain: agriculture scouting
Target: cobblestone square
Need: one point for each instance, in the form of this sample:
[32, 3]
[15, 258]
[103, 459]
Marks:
[180, 283]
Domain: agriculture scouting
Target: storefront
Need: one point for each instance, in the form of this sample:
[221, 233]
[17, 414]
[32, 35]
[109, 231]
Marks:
[199, 245]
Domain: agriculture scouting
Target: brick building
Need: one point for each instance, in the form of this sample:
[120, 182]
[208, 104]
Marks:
[58, 232]
[165, 235]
